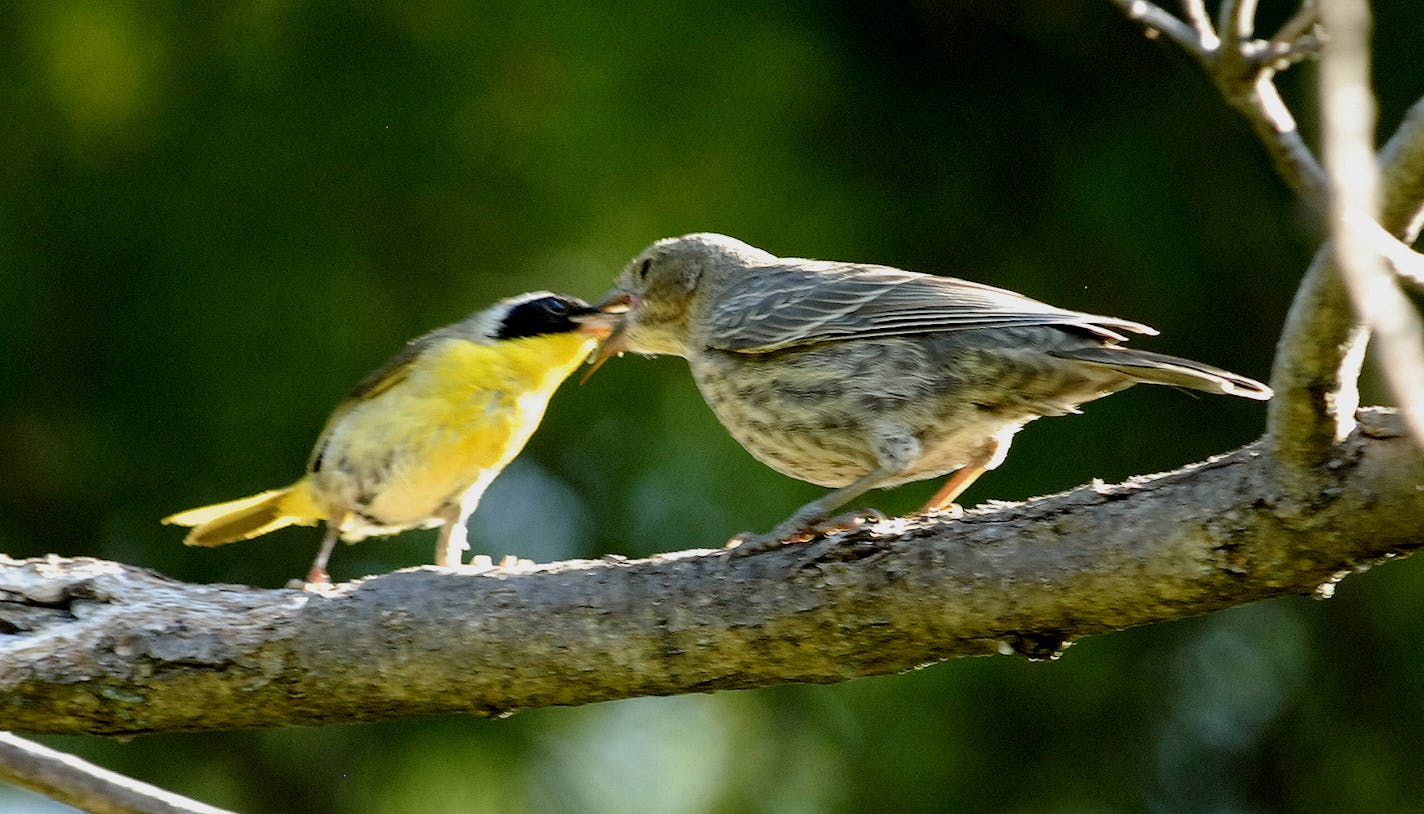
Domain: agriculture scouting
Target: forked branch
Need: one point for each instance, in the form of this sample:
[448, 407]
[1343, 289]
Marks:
[1243, 67]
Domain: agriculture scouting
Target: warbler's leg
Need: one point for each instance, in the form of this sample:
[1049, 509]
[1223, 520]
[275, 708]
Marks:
[452, 543]
[990, 456]
[317, 575]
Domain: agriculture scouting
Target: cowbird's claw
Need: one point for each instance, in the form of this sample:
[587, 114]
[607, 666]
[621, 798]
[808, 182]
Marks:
[850, 520]
[953, 511]
[746, 542]
[799, 529]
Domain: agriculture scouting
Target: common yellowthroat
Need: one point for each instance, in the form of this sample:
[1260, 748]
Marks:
[417, 442]
[857, 377]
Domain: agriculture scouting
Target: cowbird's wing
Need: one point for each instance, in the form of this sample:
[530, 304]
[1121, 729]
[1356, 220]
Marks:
[800, 302]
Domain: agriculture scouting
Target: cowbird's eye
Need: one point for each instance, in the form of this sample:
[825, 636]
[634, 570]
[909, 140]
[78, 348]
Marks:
[643, 269]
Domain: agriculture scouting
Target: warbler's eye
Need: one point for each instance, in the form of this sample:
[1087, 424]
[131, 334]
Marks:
[546, 315]
[554, 306]
[643, 269]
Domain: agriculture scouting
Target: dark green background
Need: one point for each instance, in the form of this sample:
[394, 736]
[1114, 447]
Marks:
[213, 221]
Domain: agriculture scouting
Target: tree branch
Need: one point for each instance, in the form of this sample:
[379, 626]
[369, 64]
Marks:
[1297, 40]
[93, 647]
[1402, 176]
[1408, 265]
[1322, 345]
[81, 784]
[1199, 41]
[1244, 68]
[1236, 20]
[100, 647]
[1349, 125]
[1315, 378]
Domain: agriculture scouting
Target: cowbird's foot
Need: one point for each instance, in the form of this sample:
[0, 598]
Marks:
[798, 529]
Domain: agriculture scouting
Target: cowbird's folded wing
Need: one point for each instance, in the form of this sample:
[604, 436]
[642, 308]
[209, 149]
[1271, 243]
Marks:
[800, 302]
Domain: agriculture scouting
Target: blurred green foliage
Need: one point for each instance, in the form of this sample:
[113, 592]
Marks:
[214, 220]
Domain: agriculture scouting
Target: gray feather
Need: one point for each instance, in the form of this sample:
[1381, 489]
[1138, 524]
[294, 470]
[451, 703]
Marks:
[1159, 368]
[800, 302]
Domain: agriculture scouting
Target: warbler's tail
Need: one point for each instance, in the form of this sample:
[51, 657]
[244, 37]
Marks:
[1159, 368]
[249, 517]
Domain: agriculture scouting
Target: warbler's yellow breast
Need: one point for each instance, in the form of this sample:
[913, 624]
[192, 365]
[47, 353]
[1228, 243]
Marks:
[457, 413]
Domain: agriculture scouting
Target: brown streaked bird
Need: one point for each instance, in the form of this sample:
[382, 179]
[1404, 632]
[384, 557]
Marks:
[418, 441]
[858, 377]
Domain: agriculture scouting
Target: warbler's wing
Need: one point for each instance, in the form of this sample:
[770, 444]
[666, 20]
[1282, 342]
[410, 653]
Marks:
[378, 381]
[799, 302]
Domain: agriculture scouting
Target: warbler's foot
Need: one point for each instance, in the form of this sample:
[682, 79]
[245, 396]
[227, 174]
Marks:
[317, 581]
[953, 511]
[483, 562]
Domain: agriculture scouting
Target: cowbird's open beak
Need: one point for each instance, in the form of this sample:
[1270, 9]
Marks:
[615, 308]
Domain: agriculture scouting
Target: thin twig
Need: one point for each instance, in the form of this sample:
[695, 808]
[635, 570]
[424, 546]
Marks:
[1157, 21]
[1278, 56]
[85, 786]
[1300, 25]
[1408, 265]
[1236, 22]
[1296, 41]
[1201, 21]
[1244, 70]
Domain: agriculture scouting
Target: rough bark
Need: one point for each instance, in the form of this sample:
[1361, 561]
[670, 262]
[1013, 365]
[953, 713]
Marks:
[100, 647]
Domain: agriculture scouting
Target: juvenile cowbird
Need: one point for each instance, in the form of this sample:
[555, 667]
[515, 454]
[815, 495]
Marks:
[857, 376]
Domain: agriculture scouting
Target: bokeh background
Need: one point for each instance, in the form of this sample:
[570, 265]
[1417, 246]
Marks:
[214, 220]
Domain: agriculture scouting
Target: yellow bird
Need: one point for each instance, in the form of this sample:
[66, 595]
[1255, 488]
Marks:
[418, 441]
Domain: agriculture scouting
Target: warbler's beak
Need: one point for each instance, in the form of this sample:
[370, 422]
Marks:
[619, 302]
[615, 307]
[599, 324]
